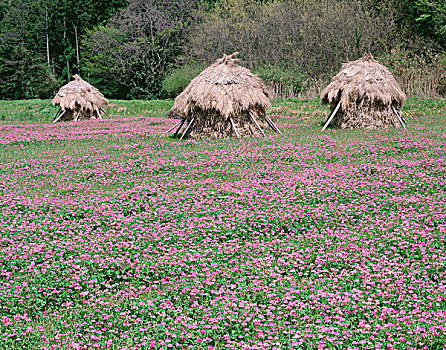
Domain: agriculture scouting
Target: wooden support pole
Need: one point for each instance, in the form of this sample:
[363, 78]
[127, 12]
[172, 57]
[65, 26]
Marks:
[399, 118]
[99, 114]
[60, 116]
[188, 126]
[332, 116]
[179, 128]
[255, 121]
[173, 127]
[401, 115]
[269, 123]
[233, 126]
[108, 116]
[77, 116]
[58, 111]
[272, 125]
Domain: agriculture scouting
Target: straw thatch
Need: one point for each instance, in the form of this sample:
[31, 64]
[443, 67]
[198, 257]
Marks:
[368, 96]
[224, 100]
[79, 100]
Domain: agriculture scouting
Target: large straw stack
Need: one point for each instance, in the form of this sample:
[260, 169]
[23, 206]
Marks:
[224, 100]
[364, 95]
[78, 100]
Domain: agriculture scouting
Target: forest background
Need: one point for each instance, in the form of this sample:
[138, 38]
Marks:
[146, 49]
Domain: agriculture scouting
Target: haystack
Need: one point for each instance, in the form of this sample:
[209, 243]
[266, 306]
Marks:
[364, 95]
[223, 100]
[78, 100]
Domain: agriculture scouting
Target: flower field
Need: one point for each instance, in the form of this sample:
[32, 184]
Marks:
[114, 238]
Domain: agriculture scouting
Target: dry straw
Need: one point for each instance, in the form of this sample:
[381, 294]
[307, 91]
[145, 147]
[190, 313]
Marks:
[224, 100]
[78, 100]
[364, 95]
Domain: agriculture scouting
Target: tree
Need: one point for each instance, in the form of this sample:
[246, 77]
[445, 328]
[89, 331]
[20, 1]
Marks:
[46, 32]
[23, 69]
[429, 17]
[137, 47]
[313, 36]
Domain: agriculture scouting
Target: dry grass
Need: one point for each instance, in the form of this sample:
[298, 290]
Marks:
[79, 100]
[222, 92]
[367, 93]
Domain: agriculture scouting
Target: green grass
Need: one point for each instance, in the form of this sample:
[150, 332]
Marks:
[42, 111]
[309, 112]
[159, 167]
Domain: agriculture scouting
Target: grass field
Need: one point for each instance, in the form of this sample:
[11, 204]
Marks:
[114, 238]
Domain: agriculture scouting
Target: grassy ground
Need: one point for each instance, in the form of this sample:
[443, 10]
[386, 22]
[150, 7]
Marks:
[42, 111]
[115, 238]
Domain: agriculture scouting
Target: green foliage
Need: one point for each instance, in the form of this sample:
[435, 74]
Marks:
[27, 69]
[130, 49]
[101, 60]
[429, 17]
[24, 75]
[133, 53]
[294, 35]
[23, 72]
[290, 80]
[177, 80]
[67, 17]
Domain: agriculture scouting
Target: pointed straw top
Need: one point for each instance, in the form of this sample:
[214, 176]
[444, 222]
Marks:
[365, 77]
[78, 94]
[225, 87]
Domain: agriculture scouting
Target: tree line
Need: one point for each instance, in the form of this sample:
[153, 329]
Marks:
[144, 49]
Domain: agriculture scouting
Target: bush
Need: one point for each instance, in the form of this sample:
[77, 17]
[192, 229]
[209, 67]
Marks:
[282, 82]
[137, 47]
[422, 76]
[314, 35]
[296, 46]
[177, 79]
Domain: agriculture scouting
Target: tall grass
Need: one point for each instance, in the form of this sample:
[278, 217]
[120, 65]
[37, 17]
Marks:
[38, 111]
[303, 104]
[418, 76]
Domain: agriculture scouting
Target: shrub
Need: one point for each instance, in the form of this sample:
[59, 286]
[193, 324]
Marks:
[177, 79]
[423, 76]
[315, 36]
[282, 82]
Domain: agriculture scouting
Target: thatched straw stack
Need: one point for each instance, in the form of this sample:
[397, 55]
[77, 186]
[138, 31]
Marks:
[78, 100]
[224, 100]
[364, 95]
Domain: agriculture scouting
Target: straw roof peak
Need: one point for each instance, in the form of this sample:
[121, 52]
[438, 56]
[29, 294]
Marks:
[79, 96]
[364, 77]
[368, 57]
[364, 82]
[228, 59]
[225, 87]
[225, 99]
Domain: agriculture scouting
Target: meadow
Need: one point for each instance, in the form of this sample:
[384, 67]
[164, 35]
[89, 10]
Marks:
[115, 238]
